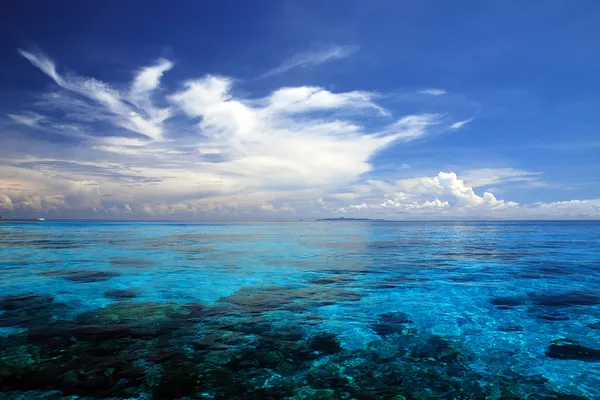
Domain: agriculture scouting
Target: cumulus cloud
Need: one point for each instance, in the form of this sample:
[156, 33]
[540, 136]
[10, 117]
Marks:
[449, 197]
[5, 202]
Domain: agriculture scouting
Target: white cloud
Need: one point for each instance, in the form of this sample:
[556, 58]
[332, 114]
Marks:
[296, 152]
[295, 143]
[496, 176]
[144, 118]
[447, 196]
[433, 92]
[449, 187]
[5, 202]
[313, 57]
[304, 99]
[148, 78]
[29, 118]
[413, 127]
[460, 124]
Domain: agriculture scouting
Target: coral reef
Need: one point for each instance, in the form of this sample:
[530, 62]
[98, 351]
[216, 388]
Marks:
[242, 347]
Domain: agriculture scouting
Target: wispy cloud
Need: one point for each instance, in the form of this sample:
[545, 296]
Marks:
[432, 92]
[485, 177]
[30, 119]
[460, 124]
[311, 58]
[143, 118]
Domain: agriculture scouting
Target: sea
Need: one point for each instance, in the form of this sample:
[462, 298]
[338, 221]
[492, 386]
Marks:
[300, 310]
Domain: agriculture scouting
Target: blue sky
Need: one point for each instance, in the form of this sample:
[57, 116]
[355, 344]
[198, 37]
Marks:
[286, 110]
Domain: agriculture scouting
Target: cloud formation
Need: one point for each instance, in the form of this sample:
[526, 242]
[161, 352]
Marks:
[133, 111]
[205, 151]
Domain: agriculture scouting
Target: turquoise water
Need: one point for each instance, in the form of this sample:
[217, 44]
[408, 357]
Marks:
[304, 310]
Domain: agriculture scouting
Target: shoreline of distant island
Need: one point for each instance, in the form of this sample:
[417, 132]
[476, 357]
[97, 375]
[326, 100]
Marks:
[351, 219]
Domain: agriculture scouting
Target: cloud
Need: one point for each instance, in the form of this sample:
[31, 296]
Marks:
[412, 127]
[288, 146]
[148, 78]
[432, 92]
[447, 196]
[496, 176]
[118, 108]
[312, 58]
[460, 124]
[5, 202]
[204, 151]
[30, 119]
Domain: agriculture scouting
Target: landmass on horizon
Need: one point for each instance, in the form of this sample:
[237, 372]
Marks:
[351, 219]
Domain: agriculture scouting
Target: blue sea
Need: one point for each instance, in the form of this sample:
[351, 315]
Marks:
[299, 310]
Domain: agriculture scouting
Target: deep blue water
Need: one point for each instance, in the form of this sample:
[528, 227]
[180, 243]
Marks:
[324, 310]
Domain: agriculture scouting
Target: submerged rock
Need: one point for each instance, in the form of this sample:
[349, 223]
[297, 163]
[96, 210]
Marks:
[510, 328]
[131, 262]
[576, 298]
[325, 343]
[261, 299]
[595, 325]
[120, 294]
[439, 349]
[82, 276]
[143, 313]
[30, 301]
[508, 301]
[330, 280]
[28, 310]
[553, 316]
[391, 323]
[565, 349]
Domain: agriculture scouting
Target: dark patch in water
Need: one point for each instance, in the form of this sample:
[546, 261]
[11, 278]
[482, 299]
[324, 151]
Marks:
[510, 328]
[507, 301]
[258, 300]
[595, 325]
[553, 316]
[29, 310]
[539, 270]
[567, 299]
[439, 349]
[391, 323]
[383, 286]
[409, 281]
[333, 280]
[325, 343]
[121, 294]
[81, 276]
[129, 262]
[30, 301]
[576, 298]
[565, 349]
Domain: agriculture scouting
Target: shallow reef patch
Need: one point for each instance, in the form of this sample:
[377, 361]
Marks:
[86, 276]
[173, 351]
[131, 262]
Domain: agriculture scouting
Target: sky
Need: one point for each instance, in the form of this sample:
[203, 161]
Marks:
[287, 110]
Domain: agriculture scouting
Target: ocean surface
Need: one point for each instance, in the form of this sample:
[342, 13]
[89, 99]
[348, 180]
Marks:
[302, 310]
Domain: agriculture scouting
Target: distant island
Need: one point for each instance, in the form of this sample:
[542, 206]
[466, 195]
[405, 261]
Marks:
[349, 219]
